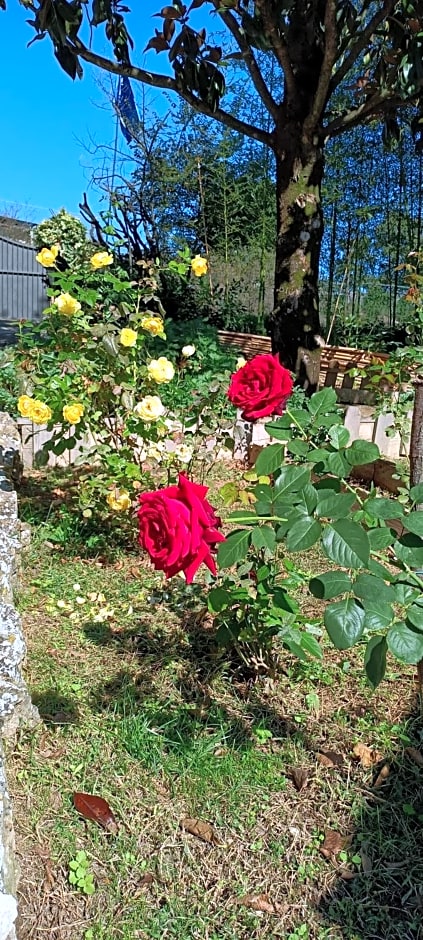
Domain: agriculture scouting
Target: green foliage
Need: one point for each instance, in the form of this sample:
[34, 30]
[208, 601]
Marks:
[9, 382]
[79, 874]
[375, 593]
[68, 232]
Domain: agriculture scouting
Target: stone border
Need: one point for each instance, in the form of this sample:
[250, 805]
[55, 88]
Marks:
[16, 708]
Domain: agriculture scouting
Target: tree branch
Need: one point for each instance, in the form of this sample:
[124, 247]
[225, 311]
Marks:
[361, 43]
[165, 81]
[378, 104]
[329, 59]
[279, 46]
[250, 61]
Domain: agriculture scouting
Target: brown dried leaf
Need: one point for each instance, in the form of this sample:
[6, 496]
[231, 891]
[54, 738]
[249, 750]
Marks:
[414, 755]
[382, 775]
[300, 778]
[260, 902]
[329, 759]
[333, 844]
[346, 874]
[366, 755]
[97, 809]
[146, 879]
[202, 830]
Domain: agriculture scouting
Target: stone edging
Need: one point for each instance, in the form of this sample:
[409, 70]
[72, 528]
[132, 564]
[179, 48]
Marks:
[16, 708]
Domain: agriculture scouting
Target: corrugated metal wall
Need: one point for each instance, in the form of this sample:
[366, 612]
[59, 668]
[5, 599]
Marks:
[22, 282]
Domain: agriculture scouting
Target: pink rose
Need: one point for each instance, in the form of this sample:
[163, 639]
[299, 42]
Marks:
[261, 387]
[179, 528]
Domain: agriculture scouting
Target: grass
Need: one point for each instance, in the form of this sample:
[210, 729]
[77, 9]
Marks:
[139, 708]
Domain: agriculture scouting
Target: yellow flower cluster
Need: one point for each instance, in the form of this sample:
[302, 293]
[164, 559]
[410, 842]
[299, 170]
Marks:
[118, 500]
[128, 337]
[101, 259]
[73, 413]
[153, 324]
[67, 305]
[199, 266]
[38, 411]
[47, 256]
[150, 408]
[161, 370]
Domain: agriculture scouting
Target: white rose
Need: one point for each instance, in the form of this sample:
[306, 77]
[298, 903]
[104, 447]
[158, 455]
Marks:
[188, 351]
[150, 408]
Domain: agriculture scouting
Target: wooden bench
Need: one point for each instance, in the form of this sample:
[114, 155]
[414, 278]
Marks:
[336, 364]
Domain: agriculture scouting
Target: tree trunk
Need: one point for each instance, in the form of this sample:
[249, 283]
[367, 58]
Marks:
[294, 323]
[416, 437]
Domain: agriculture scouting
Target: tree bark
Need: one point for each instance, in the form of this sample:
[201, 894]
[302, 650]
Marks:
[294, 322]
[416, 437]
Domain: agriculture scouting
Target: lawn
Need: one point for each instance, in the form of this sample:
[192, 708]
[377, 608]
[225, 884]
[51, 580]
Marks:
[242, 810]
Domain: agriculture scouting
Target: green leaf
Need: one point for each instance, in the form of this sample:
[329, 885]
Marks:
[328, 483]
[337, 464]
[347, 544]
[334, 505]
[409, 550]
[303, 534]
[264, 537]
[362, 452]
[234, 549]
[405, 593]
[311, 645]
[344, 622]
[270, 459]
[229, 493]
[416, 493]
[377, 615]
[339, 436]
[381, 538]
[331, 584]
[414, 522]
[308, 498]
[379, 571]
[382, 508]
[283, 601]
[320, 402]
[218, 599]
[298, 448]
[405, 644]
[375, 660]
[110, 344]
[291, 479]
[369, 588]
[415, 616]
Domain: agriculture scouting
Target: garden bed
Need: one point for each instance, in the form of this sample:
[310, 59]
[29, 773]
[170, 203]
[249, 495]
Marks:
[307, 841]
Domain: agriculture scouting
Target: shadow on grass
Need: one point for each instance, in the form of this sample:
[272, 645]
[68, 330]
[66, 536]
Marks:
[384, 901]
[56, 708]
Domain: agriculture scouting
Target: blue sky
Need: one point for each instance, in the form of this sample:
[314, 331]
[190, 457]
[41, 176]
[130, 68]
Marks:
[48, 121]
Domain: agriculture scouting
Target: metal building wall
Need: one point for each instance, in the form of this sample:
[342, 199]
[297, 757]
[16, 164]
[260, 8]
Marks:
[22, 282]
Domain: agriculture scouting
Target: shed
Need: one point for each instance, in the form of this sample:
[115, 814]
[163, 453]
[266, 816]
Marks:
[22, 280]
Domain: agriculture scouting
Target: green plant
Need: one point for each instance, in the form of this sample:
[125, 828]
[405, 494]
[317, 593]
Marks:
[374, 546]
[80, 875]
[9, 382]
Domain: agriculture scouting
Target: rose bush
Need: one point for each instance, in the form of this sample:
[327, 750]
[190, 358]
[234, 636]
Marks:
[261, 387]
[179, 528]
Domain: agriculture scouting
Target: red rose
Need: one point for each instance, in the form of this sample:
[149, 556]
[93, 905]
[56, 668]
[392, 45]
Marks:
[179, 528]
[261, 387]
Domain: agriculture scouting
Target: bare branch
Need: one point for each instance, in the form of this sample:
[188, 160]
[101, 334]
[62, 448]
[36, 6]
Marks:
[329, 59]
[361, 42]
[279, 46]
[165, 81]
[375, 106]
[250, 61]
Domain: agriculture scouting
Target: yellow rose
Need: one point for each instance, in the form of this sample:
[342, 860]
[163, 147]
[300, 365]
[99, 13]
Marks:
[25, 406]
[188, 351]
[119, 500]
[128, 337]
[161, 370]
[199, 266]
[67, 305]
[240, 363]
[40, 412]
[47, 256]
[150, 408]
[73, 413]
[152, 324]
[101, 259]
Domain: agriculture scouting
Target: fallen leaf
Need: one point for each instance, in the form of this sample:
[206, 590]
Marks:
[414, 755]
[366, 863]
[366, 755]
[260, 902]
[146, 879]
[382, 775]
[329, 759]
[346, 874]
[97, 809]
[333, 843]
[202, 830]
[299, 778]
